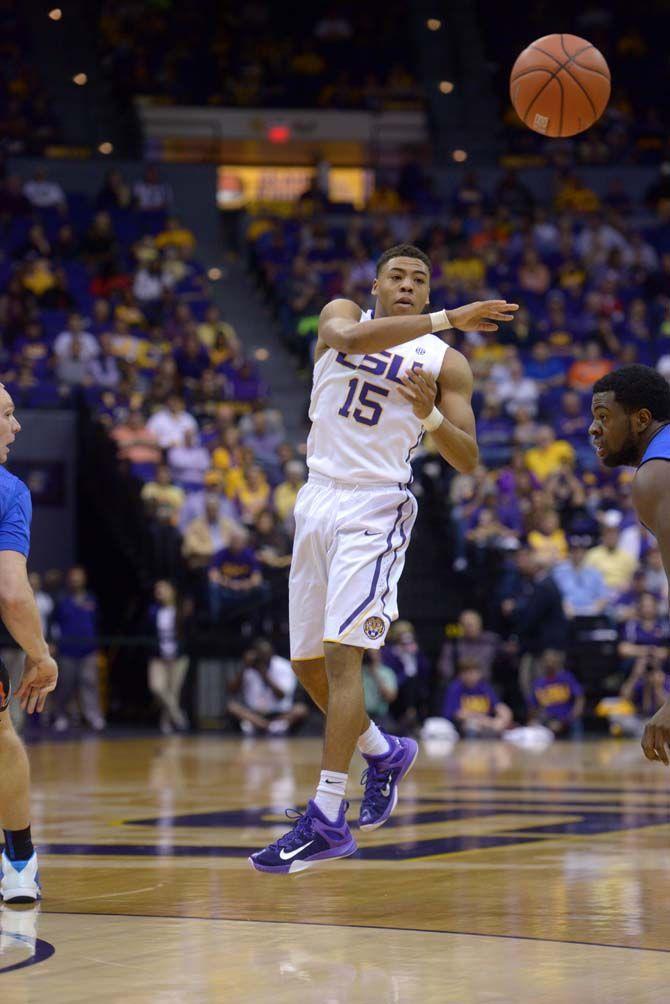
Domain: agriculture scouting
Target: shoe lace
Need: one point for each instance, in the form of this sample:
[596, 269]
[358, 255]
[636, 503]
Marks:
[374, 780]
[299, 833]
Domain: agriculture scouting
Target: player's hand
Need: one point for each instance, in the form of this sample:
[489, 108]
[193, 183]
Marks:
[657, 735]
[420, 389]
[39, 679]
[482, 315]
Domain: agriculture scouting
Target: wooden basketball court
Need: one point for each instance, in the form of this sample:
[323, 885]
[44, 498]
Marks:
[504, 876]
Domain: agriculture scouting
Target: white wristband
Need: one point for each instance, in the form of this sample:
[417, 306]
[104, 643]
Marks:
[439, 321]
[433, 421]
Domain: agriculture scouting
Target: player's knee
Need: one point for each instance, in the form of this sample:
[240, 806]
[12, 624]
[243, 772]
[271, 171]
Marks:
[309, 670]
[7, 730]
[342, 660]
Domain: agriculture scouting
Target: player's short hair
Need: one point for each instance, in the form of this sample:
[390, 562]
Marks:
[635, 387]
[404, 251]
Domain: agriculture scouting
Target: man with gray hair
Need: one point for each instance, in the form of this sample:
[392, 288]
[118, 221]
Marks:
[473, 643]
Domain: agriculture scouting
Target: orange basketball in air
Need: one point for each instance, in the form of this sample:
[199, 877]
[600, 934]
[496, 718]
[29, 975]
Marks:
[560, 85]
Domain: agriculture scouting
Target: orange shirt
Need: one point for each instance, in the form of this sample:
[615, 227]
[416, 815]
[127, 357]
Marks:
[139, 446]
[584, 373]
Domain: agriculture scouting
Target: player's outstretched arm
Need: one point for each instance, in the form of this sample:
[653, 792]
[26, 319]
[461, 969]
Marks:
[21, 618]
[651, 495]
[452, 424]
[340, 327]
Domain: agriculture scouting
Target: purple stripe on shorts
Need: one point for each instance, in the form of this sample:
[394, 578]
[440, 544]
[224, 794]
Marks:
[375, 577]
[403, 541]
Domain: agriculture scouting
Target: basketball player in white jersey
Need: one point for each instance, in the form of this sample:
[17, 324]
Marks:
[380, 380]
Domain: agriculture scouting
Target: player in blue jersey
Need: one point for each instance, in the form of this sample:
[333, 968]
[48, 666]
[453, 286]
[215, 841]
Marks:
[631, 427]
[20, 880]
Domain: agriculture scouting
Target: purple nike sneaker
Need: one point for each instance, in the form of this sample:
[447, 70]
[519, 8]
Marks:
[313, 840]
[381, 778]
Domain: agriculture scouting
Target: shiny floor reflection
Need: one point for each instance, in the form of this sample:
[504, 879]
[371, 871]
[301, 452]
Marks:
[505, 875]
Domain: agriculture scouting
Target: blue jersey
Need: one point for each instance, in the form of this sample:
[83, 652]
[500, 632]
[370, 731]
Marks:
[15, 514]
[659, 446]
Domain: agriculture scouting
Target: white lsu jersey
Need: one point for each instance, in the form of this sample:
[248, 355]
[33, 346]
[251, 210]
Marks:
[363, 431]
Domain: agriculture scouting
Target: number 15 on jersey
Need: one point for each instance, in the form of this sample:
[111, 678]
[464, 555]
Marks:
[368, 411]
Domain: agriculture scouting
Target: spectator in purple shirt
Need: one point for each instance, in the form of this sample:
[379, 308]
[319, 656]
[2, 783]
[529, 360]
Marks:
[556, 699]
[494, 434]
[34, 348]
[192, 358]
[642, 694]
[235, 575]
[571, 422]
[644, 636]
[75, 629]
[625, 603]
[647, 687]
[243, 378]
[264, 441]
[473, 706]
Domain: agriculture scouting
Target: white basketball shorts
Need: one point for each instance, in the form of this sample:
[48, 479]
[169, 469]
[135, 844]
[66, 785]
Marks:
[348, 555]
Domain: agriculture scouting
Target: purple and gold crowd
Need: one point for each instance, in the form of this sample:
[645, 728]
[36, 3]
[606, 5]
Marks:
[247, 59]
[104, 304]
[539, 520]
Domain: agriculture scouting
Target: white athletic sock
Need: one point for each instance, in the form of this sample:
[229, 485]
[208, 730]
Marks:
[372, 742]
[330, 793]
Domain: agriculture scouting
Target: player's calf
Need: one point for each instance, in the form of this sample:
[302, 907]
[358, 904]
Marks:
[19, 878]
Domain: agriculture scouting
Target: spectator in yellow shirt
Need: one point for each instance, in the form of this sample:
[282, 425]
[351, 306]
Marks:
[574, 194]
[614, 563]
[467, 269]
[175, 235]
[550, 453]
[128, 311]
[151, 349]
[38, 277]
[162, 492]
[548, 540]
[228, 459]
[287, 492]
[215, 333]
[385, 200]
[254, 494]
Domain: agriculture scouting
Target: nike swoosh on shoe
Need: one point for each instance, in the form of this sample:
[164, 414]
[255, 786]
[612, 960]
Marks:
[287, 857]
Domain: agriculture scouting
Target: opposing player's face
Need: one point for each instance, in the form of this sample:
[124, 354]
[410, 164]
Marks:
[615, 433]
[9, 425]
[402, 287]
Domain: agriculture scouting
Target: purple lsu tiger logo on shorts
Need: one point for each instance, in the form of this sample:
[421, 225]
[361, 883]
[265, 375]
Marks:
[374, 628]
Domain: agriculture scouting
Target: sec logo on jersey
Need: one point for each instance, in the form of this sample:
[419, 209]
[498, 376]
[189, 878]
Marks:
[374, 628]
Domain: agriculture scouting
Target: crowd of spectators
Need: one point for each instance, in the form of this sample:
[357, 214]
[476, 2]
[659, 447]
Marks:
[105, 306]
[485, 683]
[590, 269]
[27, 121]
[247, 58]
[545, 543]
[70, 621]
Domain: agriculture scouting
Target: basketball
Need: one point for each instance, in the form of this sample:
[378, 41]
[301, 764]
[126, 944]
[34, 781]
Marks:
[560, 85]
